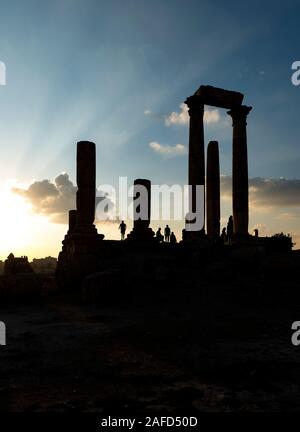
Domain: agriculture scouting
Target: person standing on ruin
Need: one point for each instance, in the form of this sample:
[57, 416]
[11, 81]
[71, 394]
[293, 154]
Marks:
[230, 229]
[159, 235]
[223, 236]
[167, 233]
[173, 238]
[122, 228]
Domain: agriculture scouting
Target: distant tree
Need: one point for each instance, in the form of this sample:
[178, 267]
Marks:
[280, 243]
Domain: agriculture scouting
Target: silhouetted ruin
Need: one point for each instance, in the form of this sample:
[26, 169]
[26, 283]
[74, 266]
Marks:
[213, 210]
[148, 323]
[142, 212]
[86, 255]
[72, 221]
[208, 95]
[240, 195]
[79, 254]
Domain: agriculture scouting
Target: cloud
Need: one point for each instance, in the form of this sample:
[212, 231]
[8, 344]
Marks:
[178, 118]
[155, 115]
[54, 199]
[168, 151]
[274, 204]
[268, 192]
[280, 192]
[211, 116]
[182, 117]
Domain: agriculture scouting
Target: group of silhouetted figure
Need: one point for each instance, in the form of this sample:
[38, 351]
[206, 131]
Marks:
[168, 237]
[227, 233]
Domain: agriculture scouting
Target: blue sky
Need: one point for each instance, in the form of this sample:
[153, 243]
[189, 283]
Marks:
[89, 69]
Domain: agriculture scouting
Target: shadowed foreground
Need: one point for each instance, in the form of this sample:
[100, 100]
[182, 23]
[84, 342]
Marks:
[190, 348]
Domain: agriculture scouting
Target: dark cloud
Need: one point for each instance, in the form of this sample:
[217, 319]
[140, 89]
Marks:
[268, 192]
[52, 199]
[55, 199]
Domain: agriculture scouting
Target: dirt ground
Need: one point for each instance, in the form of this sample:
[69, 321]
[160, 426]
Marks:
[189, 349]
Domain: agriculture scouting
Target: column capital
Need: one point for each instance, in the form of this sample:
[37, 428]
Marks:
[239, 114]
[196, 105]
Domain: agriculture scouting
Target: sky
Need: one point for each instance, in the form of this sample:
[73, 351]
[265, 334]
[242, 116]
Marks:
[116, 72]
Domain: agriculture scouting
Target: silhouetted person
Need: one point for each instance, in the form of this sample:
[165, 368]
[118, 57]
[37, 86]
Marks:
[256, 233]
[159, 235]
[216, 234]
[122, 228]
[173, 238]
[223, 235]
[167, 233]
[230, 229]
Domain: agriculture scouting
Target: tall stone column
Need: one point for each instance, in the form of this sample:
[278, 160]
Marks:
[72, 221]
[213, 190]
[240, 198]
[86, 182]
[141, 212]
[142, 196]
[82, 246]
[196, 150]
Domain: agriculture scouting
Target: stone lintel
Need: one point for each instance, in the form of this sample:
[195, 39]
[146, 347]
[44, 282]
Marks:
[218, 97]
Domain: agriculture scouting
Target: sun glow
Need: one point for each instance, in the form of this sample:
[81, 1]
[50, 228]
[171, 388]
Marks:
[21, 231]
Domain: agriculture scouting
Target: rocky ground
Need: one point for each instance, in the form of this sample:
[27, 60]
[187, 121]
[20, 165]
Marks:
[210, 344]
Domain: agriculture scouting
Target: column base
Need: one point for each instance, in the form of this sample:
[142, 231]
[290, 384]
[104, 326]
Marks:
[79, 257]
[141, 235]
[193, 236]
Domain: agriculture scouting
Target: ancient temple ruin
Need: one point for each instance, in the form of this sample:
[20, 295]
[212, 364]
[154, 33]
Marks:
[207, 95]
[84, 250]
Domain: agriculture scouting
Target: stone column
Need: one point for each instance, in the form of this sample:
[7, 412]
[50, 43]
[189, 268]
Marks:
[72, 220]
[196, 149]
[213, 190]
[141, 231]
[144, 203]
[240, 199]
[86, 182]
